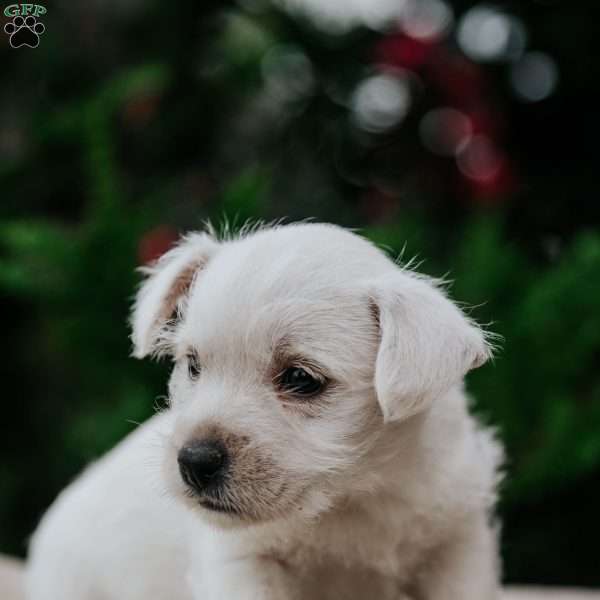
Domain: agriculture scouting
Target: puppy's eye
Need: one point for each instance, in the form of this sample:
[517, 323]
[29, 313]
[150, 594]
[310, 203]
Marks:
[297, 381]
[193, 366]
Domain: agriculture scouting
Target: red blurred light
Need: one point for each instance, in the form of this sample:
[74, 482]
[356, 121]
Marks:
[403, 51]
[155, 243]
[486, 169]
[460, 81]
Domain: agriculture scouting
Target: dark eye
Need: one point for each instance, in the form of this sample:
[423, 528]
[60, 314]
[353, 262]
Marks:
[296, 380]
[194, 367]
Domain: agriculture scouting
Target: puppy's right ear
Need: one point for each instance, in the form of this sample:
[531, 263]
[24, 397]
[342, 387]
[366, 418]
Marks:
[165, 289]
[427, 344]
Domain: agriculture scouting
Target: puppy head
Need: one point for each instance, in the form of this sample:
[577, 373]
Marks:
[293, 347]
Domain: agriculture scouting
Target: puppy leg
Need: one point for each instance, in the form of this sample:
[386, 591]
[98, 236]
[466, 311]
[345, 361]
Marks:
[246, 578]
[465, 569]
[225, 566]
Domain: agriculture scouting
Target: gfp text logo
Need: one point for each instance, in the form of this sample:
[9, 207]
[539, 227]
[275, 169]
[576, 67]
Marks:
[25, 28]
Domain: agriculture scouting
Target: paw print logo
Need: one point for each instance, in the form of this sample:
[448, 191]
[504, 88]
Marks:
[24, 31]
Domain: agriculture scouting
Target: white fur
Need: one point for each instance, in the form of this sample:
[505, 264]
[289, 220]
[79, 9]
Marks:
[383, 488]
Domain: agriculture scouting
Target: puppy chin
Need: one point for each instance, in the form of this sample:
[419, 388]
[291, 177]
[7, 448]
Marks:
[220, 519]
[209, 510]
[232, 518]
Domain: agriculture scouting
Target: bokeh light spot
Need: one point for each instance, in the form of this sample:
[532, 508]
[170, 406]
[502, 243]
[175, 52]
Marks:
[380, 102]
[487, 34]
[445, 131]
[287, 73]
[534, 77]
[427, 19]
[339, 16]
[479, 159]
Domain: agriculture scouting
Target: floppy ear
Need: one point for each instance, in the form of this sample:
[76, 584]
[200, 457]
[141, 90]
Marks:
[162, 294]
[427, 344]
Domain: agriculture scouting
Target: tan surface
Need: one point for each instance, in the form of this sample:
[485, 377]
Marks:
[11, 587]
[11, 584]
[530, 593]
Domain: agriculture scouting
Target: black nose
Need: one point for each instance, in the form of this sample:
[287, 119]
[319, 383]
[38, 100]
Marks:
[201, 463]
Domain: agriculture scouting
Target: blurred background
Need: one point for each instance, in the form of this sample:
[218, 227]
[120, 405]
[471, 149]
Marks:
[463, 133]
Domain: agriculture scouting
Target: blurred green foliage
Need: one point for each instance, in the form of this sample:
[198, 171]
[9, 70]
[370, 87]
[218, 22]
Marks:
[170, 122]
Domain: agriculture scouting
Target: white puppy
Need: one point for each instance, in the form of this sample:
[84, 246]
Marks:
[318, 443]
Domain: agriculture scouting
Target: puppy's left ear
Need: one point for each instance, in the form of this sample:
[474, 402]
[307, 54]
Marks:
[427, 344]
[163, 293]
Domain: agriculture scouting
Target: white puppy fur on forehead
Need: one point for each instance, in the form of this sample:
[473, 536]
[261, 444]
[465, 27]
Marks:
[376, 482]
[278, 286]
[289, 264]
